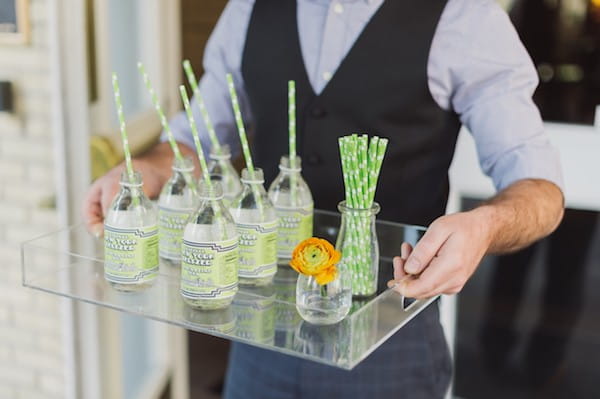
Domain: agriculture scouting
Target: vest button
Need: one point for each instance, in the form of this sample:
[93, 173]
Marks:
[318, 112]
[313, 159]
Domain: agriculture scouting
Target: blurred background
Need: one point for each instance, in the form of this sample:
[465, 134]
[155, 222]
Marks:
[526, 325]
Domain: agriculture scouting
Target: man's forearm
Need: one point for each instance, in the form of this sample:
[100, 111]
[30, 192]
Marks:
[521, 214]
[160, 159]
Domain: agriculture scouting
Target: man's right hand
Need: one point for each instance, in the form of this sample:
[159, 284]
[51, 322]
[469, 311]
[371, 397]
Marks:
[104, 189]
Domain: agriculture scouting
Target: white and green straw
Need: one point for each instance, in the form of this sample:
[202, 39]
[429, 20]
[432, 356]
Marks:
[243, 139]
[159, 111]
[191, 77]
[123, 128]
[240, 125]
[292, 134]
[197, 142]
[292, 121]
[199, 150]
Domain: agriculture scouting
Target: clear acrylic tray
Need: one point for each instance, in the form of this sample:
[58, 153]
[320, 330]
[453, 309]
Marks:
[70, 263]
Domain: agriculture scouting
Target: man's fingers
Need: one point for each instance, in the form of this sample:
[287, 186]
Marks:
[399, 272]
[91, 211]
[96, 203]
[108, 193]
[399, 261]
[426, 249]
[405, 250]
[431, 282]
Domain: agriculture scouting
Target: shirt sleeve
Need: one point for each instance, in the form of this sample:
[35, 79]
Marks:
[223, 55]
[479, 68]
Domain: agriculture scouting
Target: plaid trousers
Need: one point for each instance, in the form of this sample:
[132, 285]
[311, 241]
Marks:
[414, 363]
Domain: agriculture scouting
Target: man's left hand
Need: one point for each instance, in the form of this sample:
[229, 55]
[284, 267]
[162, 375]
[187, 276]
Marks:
[445, 257]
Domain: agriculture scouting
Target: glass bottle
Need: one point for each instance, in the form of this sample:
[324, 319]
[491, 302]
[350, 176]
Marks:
[324, 304]
[131, 237]
[221, 170]
[294, 206]
[256, 222]
[357, 241]
[176, 203]
[209, 253]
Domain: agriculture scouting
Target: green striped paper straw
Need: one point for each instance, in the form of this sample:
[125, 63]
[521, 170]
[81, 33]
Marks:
[240, 125]
[244, 140]
[193, 126]
[201, 158]
[381, 148]
[292, 134]
[161, 114]
[292, 120]
[191, 77]
[117, 93]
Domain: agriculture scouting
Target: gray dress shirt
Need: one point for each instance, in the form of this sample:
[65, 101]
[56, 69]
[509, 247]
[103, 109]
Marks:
[477, 67]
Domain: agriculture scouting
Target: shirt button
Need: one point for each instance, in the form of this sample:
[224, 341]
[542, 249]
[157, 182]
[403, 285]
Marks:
[318, 112]
[327, 76]
[338, 8]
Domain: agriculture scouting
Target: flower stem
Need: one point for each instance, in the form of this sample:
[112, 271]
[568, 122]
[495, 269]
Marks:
[324, 290]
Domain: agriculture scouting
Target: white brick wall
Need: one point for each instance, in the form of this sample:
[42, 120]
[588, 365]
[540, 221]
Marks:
[31, 353]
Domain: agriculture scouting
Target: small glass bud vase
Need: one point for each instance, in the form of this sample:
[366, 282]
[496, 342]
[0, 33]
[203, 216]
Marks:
[324, 304]
[256, 222]
[357, 241]
[209, 252]
[221, 170]
[176, 203]
[294, 206]
[131, 237]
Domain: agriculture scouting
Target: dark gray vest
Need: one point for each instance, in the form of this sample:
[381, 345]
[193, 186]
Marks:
[381, 88]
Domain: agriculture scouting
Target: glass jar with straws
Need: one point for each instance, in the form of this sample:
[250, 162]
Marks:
[357, 239]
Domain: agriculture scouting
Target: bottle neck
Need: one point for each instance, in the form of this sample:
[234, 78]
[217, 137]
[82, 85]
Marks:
[290, 171]
[129, 188]
[220, 157]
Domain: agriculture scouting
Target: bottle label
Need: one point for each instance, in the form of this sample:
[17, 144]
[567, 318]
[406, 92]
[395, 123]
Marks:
[209, 269]
[295, 225]
[258, 249]
[171, 223]
[130, 255]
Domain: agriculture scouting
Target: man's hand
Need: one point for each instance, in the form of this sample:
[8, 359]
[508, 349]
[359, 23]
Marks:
[155, 167]
[104, 189]
[445, 257]
[451, 249]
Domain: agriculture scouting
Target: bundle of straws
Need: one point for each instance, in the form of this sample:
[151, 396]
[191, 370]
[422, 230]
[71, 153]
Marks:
[361, 165]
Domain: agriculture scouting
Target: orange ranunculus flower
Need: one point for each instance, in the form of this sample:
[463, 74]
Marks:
[316, 257]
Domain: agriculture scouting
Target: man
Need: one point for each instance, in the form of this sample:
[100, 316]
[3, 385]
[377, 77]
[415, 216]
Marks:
[411, 71]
